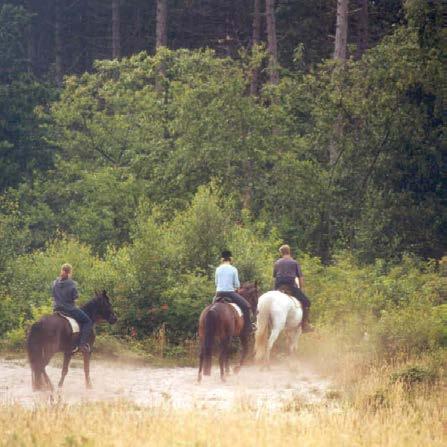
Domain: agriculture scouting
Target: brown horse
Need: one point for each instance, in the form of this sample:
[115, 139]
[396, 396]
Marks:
[53, 333]
[222, 321]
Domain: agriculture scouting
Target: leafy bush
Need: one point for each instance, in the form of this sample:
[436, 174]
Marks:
[414, 374]
[161, 281]
[392, 309]
[185, 300]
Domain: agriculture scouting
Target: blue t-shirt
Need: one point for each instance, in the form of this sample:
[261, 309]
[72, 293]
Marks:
[226, 278]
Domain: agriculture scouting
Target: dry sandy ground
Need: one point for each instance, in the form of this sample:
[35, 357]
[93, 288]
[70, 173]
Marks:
[284, 383]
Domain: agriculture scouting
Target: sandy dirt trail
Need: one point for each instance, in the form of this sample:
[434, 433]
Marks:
[178, 387]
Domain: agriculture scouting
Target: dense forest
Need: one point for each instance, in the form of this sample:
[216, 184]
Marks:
[140, 138]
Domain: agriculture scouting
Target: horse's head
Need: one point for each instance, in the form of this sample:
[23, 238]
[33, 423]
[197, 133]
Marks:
[251, 292]
[104, 307]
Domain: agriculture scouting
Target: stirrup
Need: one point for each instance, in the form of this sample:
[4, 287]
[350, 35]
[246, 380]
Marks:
[84, 349]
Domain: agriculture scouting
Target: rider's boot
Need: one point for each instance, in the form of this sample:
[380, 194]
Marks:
[305, 325]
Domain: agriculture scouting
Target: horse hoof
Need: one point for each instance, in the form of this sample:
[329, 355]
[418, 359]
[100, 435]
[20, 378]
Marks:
[89, 385]
[237, 369]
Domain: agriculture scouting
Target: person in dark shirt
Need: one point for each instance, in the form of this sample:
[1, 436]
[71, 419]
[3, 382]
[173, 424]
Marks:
[288, 275]
[64, 295]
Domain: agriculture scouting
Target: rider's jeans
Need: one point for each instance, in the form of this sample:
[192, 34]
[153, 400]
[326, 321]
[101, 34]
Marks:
[296, 291]
[84, 321]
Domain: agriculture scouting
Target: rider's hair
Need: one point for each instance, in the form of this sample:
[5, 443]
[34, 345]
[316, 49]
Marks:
[284, 249]
[66, 270]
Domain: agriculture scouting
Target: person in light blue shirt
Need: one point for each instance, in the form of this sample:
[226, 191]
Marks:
[227, 281]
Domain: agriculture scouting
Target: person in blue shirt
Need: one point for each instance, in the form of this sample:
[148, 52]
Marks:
[227, 281]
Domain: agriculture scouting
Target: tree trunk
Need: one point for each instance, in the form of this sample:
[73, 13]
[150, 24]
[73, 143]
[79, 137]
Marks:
[363, 31]
[340, 54]
[272, 44]
[161, 24]
[340, 51]
[58, 42]
[341, 32]
[256, 39]
[116, 40]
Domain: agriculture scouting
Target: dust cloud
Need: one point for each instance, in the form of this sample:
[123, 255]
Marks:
[177, 387]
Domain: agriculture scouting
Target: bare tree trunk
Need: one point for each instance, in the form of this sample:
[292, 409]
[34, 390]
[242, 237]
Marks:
[58, 42]
[256, 39]
[247, 194]
[272, 43]
[340, 52]
[341, 32]
[116, 40]
[363, 31]
[161, 24]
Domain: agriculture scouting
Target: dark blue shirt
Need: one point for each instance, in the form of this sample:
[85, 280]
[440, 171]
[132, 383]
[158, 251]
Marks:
[287, 268]
[64, 294]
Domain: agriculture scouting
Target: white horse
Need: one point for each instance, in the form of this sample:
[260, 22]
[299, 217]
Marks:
[276, 311]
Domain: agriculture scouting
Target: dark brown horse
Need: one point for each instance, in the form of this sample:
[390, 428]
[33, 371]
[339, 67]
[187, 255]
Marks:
[221, 321]
[53, 333]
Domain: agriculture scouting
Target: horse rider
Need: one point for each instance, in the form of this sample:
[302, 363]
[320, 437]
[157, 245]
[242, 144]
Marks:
[64, 295]
[227, 281]
[287, 272]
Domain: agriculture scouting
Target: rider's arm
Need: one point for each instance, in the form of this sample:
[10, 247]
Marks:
[300, 282]
[299, 277]
[74, 292]
[236, 283]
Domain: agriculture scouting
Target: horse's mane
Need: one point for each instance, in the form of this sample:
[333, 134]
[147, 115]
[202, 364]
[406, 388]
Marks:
[249, 284]
[92, 304]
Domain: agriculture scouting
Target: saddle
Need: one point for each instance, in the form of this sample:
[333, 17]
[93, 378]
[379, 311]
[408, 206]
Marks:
[237, 308]
[224, 299]
[288, 291]
[296, 302]
[73, 323]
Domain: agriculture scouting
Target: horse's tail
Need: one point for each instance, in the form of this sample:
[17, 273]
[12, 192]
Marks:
[262, 331]
[210, 330]
[34, 347]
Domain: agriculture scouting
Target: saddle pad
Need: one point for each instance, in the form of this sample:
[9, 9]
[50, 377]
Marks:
[295, 301]
[238, 309]
[73, 323]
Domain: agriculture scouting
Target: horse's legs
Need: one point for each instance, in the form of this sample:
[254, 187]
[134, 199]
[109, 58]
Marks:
[47, 380]
[295, 335]
[88, 382]
[223, 357]
[227, 365]
[201, 355]
[37, 378]
[273, 336]
[67, 358]
[244, 351]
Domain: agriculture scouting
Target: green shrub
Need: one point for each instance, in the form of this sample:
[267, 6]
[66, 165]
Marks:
[411, 329]
[185, 300]
[412, 375]
[14, 339]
